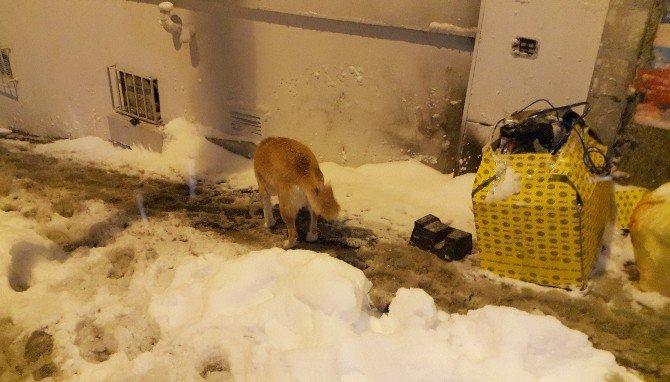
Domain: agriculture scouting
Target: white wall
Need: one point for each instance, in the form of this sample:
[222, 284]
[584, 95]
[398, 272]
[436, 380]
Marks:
[410, 14]
[357, 93]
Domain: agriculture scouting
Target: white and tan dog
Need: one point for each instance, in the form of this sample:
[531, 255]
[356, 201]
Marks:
[288, 169]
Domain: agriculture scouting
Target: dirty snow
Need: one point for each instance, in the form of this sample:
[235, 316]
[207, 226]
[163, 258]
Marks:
[151, 306]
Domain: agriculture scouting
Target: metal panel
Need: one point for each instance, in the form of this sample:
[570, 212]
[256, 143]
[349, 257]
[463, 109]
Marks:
[568, 34]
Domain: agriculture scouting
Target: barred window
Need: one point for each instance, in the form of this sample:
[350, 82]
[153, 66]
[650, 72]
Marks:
[134, 95]
[5, 66]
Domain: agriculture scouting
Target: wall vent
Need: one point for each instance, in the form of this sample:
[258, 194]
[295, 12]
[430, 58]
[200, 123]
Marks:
[245, 124]
[134, 95]
[5, 66]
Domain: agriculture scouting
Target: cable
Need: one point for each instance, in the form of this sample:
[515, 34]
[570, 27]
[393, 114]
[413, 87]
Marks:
[536, 101]
[522, 109]
[557, 109]
[493, 133]
[588, 160]
[588, 150]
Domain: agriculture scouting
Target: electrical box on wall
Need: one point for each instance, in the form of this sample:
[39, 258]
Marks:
[525, 47]
[524, 51]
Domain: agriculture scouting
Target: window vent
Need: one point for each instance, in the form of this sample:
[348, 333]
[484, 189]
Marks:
[5, 66]
[245, 124]
[134, 95]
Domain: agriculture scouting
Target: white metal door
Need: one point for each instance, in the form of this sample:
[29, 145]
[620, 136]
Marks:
[568, 34]
[504, 79]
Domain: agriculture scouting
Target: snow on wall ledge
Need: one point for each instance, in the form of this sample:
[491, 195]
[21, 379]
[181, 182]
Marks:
[452, 29]
[397, 13]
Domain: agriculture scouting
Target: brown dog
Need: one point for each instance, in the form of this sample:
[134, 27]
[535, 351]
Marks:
[289, 169]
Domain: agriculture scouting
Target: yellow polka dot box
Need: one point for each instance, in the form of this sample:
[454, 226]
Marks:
[626, 199]
[540, 217]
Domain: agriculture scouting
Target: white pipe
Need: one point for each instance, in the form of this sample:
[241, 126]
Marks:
[165, 18]
[187, 31]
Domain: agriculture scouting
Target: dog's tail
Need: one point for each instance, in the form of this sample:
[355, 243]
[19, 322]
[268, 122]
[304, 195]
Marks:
[321, 198]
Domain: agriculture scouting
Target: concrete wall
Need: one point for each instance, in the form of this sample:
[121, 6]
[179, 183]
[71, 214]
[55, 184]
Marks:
[360, 83]
[640, 150]
[622, 42]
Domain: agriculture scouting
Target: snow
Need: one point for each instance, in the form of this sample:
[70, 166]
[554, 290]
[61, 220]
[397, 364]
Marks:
[394, 194]
[281, 316]
[506, 184]
[182, 310]
[186, 153]
[447, 28]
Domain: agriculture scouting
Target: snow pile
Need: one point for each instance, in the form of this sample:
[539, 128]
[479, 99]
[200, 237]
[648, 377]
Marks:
[398, 193]
[298, 315]
[164, 302]
[276, 315]
[185, 149]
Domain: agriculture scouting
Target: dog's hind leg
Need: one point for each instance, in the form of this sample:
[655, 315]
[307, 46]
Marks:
[313, 234]
[269, 220]
[288, 210]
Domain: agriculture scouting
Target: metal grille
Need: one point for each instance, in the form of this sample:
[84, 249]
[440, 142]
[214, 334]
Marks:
[245, 124]
[5, 67]
[134, 95]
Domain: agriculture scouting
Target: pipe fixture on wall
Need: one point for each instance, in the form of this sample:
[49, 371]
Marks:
[185, 32]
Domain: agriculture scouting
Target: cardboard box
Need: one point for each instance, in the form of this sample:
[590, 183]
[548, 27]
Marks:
[550, 232]
[626, 199]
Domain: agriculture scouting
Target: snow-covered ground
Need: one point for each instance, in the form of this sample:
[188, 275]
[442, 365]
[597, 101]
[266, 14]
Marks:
[167, 302]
